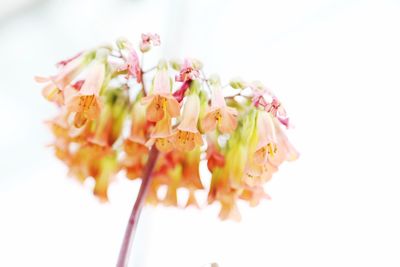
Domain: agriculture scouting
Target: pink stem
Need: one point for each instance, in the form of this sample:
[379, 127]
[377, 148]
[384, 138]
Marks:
[137, 208]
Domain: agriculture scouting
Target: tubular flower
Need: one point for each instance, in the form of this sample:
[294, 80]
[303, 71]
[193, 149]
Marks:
[87, 102]
[69, 70]
[219, 114]
[107, 125]
[266, 137]
[161, 101]
[187, 136]
[161, 135]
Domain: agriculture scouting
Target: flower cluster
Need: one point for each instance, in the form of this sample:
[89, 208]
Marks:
[111, 113]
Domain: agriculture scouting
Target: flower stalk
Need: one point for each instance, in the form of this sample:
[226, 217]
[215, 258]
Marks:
[137, 208]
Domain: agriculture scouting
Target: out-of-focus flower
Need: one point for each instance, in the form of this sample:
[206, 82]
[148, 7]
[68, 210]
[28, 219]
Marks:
[245, 138]
[148, 40]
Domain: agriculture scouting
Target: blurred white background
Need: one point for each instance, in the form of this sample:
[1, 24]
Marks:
[336, 66]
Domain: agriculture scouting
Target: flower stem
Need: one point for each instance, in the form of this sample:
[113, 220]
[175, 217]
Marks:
[137, 208]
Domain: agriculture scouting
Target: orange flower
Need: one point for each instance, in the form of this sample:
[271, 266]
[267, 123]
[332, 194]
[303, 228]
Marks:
[87, 103]
[187, 136]
[266, 137]
[161, 135]
[135, 158]
[53, 90]
[246, 140]
[285, 150]
[161, 101]
[219, 115]
[91, 160]
[191, 176]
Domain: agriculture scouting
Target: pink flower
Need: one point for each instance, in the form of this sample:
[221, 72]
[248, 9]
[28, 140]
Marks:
[148, 40]
[266, 138]
[187, 136]
[161, 101]
[56, 84]
[219, 115]
[67, 61]
[132, 64]
[180, 93]
[285, 151]
[86, 103]
[262, 97]
[161, 135]
[188, 72]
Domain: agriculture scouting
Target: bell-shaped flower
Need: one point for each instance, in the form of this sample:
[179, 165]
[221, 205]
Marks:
[191, 175]
[219, 114]
[160, 101]
[187, 136]
[161, 135]
[267, 143]
[87, 103]
[136, 155]
[254, 194]
[140, 126]
[285, 150]
[53, 90]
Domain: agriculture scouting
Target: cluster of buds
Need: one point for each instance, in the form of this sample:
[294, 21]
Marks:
[111, 113]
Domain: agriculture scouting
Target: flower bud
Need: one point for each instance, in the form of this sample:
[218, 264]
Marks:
[237, 83]
[175, 64]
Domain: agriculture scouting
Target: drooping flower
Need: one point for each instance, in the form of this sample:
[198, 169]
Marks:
[219, 114]
[69, 70]
[187, 136]
[160, 101]
[148, 40]
[161, 135]
[99, 162]
[87, 103]
[191, 175]
[245, 137]
[285, 150]
[267, 143]
[135, 159]
[109, 125]
[132, 64]
[214, 158]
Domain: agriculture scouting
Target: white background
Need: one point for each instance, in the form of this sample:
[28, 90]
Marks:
[335, 65]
